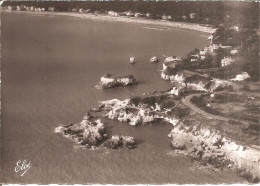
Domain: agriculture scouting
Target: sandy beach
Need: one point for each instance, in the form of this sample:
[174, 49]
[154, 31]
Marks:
[181, 25]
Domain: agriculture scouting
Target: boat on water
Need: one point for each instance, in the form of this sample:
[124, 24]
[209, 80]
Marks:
[132, 60]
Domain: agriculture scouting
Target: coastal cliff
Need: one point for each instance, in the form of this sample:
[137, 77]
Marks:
[197, 82]
[209, 147]
[203, 143]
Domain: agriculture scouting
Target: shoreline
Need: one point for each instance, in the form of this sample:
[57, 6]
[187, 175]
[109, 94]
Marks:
[103, 17]
[231, 151]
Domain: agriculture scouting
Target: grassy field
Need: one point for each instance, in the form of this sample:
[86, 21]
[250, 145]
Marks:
[242, 105]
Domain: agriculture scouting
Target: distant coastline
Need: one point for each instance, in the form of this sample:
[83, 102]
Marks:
[103, 17]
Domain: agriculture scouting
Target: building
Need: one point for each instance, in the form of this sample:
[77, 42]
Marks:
[234, 52]
[203, 52]
[236, 28]
[148, 15]
[130, 14]
[74, 10]
[241, 77]
[86, 11]
[81, 10]
[178, 91]
[227, 61]
[192, 15]
[212, 49]
[138, 14]
[165, 17]
[20, 8]
[10, 8]
[37, 9]
[51, 9]
[193, 60]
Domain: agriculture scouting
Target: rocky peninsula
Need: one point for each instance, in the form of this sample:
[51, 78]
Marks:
[91, 133]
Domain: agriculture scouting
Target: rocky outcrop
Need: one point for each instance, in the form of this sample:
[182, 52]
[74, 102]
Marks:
[120, 141]
[107, 81]
[210, 147]
[91, 133]
[145, 109]
[197, 82]
[179, 78]
[154, 59]
[125, 111]
[88, 132]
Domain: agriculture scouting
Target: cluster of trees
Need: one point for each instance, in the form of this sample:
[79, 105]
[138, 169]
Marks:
[244, 14]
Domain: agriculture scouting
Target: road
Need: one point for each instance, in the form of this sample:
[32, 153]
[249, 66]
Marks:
[186, 101]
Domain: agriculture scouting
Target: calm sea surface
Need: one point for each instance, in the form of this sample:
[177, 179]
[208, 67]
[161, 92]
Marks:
[50, 65]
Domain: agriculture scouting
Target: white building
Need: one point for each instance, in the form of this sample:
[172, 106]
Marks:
[227, 61]
[165, 17]
[192, 15]
[81, 10]
[74, 10]
[193, 60]
[236, 28]
[175, 91]
[234, 52]
[138, 14]
[241, 77]
[51, 9]
[148, 15]
[112, 13]
[130, 14]
[20, 8]
[10, 8]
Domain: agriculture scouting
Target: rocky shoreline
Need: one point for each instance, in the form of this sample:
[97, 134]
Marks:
[209, 147]
[91, 133]
[196, 81]
[204, 143]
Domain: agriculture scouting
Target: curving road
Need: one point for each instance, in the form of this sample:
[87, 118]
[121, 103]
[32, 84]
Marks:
[186, 101]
